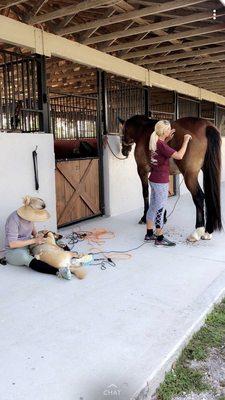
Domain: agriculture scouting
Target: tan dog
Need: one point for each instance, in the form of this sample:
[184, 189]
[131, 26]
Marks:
[55, 256]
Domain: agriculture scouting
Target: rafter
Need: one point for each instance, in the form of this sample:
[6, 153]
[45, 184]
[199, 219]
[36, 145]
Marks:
[197, 43]
[179, 56]
[201, 75]
[38, 7]
[125, 7]
[197, 61]
[10, 3]
[143, 12]
[173, 36]
[83, 36]
[192, 68]
[69, 10]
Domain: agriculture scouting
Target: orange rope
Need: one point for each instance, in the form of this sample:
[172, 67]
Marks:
[98, 236]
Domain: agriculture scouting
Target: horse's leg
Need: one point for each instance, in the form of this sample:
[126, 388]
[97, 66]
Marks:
[143, 174]
[191, 180]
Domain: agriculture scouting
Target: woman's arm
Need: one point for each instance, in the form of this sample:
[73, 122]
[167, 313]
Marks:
[178, 155]
[22, 243]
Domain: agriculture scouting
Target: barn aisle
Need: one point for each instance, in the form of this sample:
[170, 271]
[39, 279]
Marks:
[113, 334]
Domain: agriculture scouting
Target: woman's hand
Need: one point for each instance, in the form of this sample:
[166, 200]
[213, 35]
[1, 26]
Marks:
[39, 240]
[171, 135]
[187, 137]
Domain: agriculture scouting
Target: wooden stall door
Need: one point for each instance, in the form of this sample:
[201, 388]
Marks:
[77, 190]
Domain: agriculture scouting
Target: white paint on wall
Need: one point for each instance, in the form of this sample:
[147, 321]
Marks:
[17, 174]
[123, 191]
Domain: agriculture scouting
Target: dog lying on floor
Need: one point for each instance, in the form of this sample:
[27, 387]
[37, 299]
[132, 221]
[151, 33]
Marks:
[55, 256]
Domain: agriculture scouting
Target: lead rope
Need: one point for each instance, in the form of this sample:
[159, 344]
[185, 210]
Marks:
[106, 141]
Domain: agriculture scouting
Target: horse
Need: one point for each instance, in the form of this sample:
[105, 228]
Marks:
[203, 153]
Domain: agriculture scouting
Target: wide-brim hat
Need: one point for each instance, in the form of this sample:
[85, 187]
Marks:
[29, 214]
[33, 210]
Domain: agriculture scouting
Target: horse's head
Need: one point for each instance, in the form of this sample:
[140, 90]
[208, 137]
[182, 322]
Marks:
[126, 140]
[131, 128]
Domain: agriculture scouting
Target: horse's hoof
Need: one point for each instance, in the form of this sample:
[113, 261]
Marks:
[142, 221]
[206, 236]
[196, 235]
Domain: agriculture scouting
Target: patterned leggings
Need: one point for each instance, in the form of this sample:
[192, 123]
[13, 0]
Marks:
[158, 200]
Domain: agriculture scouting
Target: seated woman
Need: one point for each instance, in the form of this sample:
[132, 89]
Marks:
[20, 233]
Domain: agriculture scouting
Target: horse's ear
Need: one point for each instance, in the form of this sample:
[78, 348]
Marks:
[121, 121]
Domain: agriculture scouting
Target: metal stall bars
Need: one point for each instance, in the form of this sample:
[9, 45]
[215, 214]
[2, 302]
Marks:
[162, 104]
[123, 98]
[208, 110]
[187, 107]
[23, 100]
[73, 116]
[220, 119]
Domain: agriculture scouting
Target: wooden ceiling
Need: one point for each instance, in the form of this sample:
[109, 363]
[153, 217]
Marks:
[178, 38]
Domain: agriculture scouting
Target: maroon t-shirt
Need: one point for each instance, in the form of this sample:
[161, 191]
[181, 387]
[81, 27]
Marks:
[160, 162]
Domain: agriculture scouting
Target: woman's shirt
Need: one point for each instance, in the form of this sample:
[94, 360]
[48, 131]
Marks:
[160, 162]
[17, 228]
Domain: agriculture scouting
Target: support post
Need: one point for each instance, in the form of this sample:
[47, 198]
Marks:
[101, 131]
[44, 124]
[176, 105]
[147, 101]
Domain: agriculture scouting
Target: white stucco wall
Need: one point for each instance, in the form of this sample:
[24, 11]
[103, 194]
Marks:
[123, 191]
[17, 174]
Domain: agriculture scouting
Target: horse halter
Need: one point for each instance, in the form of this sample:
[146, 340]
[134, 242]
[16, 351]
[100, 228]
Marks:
[125, 143]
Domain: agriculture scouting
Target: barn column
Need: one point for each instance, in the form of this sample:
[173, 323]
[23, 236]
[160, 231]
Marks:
[43, 104]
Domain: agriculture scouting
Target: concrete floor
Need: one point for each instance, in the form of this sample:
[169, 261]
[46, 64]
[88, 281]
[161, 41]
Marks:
[112, 335]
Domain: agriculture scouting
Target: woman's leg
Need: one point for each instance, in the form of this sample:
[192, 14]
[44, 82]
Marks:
[41, 266]
[19, 257]
[22, 257]
[161, 200]
[151, 214]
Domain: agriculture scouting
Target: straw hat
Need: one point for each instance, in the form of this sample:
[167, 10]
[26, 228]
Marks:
[33, 210]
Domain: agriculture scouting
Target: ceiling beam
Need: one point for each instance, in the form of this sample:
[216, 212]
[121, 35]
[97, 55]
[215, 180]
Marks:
[143, 12]
[48, 44]
[165, 38]
[179, 56]
[70, 10]
[188, 69]
[205, 76]
[188, 62]
[195, 17]
[10, 3]
[38, 6]
[195, 43]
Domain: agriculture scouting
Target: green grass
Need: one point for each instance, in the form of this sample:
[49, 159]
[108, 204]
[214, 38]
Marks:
[184, 379]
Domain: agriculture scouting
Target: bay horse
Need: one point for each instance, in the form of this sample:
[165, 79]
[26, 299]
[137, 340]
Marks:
[203, 153]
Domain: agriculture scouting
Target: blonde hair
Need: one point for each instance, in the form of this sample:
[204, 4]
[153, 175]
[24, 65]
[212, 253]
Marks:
[158, 132]
[35, 202]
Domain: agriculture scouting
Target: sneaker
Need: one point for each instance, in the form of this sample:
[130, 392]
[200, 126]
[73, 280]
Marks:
[148, 238]
[64, 273]
[165, 242]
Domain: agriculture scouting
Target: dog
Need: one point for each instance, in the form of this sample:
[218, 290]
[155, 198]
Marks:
[56, 256]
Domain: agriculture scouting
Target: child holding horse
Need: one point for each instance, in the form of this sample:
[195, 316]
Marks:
[160, 153]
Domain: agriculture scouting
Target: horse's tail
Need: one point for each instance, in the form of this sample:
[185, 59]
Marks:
[211, 180]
